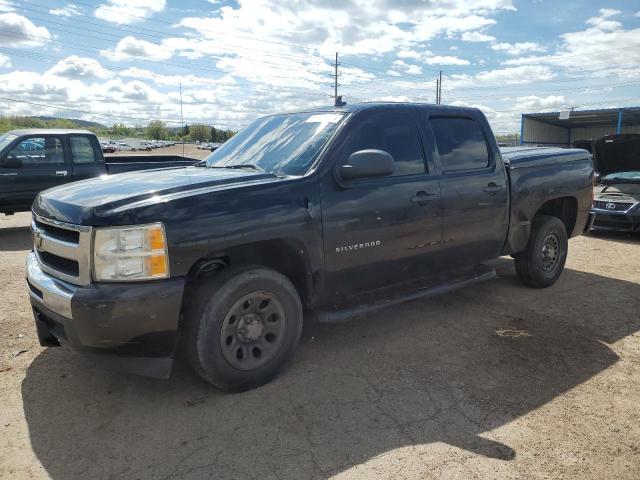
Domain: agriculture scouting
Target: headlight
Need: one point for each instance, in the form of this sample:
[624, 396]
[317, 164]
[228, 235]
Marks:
[130, 253]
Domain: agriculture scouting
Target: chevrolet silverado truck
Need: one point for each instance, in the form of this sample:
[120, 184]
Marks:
[37, 159]
[336, 212]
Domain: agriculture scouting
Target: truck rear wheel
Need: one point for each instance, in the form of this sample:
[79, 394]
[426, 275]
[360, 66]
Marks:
[543, 261]
[243, 327]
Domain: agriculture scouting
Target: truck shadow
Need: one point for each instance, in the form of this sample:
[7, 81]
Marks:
[15, 239]
[618, 237]
[448, 369]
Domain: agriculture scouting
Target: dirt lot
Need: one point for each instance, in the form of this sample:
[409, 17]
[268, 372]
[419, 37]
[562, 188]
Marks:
[495, 381]
[190, 151]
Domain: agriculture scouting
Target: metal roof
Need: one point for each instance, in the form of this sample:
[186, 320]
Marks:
[589, 118]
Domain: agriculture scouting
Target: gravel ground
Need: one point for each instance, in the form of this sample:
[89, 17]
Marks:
[495, 381]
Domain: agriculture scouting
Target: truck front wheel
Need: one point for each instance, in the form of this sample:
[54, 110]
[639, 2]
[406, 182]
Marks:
[543, 261]
[243, 326]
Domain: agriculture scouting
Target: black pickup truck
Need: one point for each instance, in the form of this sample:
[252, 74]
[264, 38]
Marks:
[336, 211]
[37, 159]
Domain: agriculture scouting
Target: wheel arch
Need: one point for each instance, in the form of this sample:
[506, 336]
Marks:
[286, 256]
[564, 208]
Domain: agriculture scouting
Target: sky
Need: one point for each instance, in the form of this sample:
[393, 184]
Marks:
[126, 60]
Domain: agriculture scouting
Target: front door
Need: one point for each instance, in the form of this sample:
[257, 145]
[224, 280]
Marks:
[380, 231]
[41, 165]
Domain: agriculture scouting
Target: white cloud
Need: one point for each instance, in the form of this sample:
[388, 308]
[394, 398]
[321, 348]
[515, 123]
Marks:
[132, 48]
[598, 48]
[128, 11]
[409, 54]
[5, 62]
[446, 60]
[476, 37]
[608, 12]
[6, 6]
[79, 67]
[67, 11]
[534, 102]
[518, 48]
[407, 68]
[16, 30]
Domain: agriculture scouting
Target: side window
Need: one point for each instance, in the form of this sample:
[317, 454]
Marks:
[460, 142]
[396, 134]
[82, 149]
[38, 151]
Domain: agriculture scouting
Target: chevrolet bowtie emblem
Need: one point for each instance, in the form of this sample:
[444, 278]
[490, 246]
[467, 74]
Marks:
[37, 239]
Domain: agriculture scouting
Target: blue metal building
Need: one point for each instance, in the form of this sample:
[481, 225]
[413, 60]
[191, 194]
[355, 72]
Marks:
[549, 129]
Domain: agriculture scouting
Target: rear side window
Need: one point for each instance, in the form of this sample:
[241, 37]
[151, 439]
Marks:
[82, 150]
[393, 132]
[461, 143]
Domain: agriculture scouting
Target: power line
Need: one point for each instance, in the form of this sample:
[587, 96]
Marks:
[128, 117]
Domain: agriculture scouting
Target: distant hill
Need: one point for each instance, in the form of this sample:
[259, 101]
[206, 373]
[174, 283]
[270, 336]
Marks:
[77, 121]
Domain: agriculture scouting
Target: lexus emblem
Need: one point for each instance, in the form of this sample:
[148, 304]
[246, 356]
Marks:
[610, 206]
[37, 239]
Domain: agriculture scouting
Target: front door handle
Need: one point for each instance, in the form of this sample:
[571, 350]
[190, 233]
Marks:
[61, 173]
[492, 188]
[422, 198]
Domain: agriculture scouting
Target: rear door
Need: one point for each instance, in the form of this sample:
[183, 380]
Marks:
[380, 231]
[474, 189]
[86, 156]
[43, 165]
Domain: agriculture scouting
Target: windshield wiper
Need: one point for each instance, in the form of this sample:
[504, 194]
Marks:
[242, 165]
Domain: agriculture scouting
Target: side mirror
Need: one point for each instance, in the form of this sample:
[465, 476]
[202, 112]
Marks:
[12, 162]
[367, 163]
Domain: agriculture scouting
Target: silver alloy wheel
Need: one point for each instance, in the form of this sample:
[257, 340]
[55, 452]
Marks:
[253, 330]
[550, 252]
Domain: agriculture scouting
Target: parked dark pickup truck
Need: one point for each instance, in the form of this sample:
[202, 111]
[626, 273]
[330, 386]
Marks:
[340, 211]
[36, 159]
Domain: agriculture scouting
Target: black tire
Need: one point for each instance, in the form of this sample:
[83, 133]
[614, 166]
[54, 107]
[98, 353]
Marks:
[542, 263]
[214, 307]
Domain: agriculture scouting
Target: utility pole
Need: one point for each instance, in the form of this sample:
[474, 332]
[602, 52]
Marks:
[335, 80]
[181, 120]
[440, 89]
[437, 91]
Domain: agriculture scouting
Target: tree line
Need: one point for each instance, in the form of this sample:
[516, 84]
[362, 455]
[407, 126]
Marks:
[154, 130]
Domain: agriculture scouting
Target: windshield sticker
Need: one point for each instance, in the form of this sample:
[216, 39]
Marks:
[324, 118]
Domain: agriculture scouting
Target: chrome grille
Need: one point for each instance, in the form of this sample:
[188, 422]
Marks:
[612, 206]
[62, 249]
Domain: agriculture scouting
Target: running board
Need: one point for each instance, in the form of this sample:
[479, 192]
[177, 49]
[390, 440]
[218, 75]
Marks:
[479, 274]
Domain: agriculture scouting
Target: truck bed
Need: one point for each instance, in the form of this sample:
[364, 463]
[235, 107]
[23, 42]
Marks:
[550, 176]
[129, 163]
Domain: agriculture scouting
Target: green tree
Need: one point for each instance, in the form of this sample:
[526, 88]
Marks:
[214, 134]
[156, 130]
[199, 133]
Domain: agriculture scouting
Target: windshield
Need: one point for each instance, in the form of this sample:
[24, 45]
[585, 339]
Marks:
[632, 176]
[6, 139]
[278, 144]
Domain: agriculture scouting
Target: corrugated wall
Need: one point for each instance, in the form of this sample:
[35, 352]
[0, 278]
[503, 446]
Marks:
[535, 131]
[593, 133]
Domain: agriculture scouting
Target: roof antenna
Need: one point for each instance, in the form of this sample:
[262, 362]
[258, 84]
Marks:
[339, 102]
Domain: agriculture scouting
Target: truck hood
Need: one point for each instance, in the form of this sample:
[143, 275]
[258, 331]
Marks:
[620, 192]
[85, 201]
[617, 153]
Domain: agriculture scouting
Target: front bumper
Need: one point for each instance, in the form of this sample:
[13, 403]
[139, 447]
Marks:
[132, 327]
[623, 222]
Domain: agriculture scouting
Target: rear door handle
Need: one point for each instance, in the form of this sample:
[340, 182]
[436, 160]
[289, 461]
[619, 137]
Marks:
[422, 198]
[492, 188]
[61, 173]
